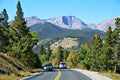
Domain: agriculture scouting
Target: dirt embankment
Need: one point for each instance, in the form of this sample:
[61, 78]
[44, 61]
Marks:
[10, 65]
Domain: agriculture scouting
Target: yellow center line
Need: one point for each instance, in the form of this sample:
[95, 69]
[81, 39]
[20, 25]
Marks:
[58, 75]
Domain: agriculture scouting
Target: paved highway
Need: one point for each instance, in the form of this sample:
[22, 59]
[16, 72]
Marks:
[63, 74]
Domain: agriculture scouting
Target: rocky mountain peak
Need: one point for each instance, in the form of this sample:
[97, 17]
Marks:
[69, 22]
[33, 20]
[105, 24]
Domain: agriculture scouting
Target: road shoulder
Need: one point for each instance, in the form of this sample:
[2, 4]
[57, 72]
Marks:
[93, 75]
[28, 77]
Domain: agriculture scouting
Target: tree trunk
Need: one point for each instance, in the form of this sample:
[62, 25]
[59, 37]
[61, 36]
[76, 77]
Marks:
[115, 68]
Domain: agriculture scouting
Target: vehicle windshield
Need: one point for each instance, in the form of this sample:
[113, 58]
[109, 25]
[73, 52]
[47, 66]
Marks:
[48, 65]
[62, 63]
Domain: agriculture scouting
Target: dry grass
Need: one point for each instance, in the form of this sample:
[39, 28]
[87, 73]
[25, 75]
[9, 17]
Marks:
[12, 69]
[111, 75]
[21, 74]
[9, 65]
[9, 77]
[24, 73]
[36, 70]
[27, 73]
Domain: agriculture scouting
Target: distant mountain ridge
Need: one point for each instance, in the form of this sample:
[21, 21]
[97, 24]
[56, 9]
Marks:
[71, 22]
[48, 30]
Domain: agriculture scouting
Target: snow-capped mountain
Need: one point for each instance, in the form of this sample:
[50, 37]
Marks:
[71, 22]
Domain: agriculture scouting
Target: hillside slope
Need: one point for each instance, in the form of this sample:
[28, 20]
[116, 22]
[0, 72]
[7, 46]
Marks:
[48, 30]
[9, 65]
[66, 43]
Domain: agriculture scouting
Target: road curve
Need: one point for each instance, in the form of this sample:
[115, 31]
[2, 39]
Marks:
[62, 74]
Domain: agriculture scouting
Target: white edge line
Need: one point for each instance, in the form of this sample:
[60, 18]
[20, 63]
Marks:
[30, 76]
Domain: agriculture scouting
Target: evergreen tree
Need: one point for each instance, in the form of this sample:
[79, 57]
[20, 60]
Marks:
[49, 52]
[19, 34]
[117, 45]
[43, 55]
[5, 18]
[108, 50]
[1, 38]
[6, 31]
[82, 52]
[36, 61]
[109, 38]
[95, 54]
[117, 22]
[4, 28]
[42, 50]
[83, 56]
[21, 40]
[117, 32]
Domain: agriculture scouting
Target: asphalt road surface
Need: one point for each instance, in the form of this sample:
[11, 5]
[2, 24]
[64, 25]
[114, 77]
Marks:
[63, 74]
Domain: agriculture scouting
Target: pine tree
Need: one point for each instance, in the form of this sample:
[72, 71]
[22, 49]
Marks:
[109, 38]
[42, 50]
[4, 38]
[49, 52]
[43, 54]
[117, 22]
[117, 45]
[95, 54]
[108, 50]
[1, 33]
[1, 38]
[21, 39]
[83, 56]
[5, 20]
[19, 34]
[117, 31]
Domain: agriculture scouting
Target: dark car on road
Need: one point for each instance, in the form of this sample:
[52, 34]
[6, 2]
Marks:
[48, 67]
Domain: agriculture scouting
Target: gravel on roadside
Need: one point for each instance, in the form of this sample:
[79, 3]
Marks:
[93, 75]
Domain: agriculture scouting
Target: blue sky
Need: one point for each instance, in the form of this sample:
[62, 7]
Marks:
[89, 11]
